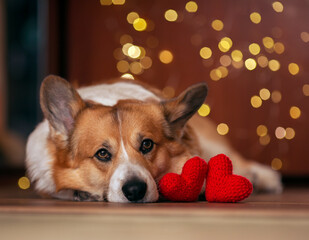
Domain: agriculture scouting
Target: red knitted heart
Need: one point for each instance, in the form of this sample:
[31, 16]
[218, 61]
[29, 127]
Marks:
[187, 186]
[222, 185]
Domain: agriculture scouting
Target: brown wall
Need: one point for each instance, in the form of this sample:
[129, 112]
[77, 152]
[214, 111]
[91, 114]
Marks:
[93, 33]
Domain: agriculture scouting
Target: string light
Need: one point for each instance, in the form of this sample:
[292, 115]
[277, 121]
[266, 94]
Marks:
[134, 51]
[223, 71]
[293, 68]
[127, 76]
[146, 62]
[261, 130]
[278, 7]
[140, 24]
[223, 129]
[289, 133]
[262, 61]
[171, 15]
[279, 47]
[306, 90]
[166, 56]
[225, 44]
[280, 132]
[238, 64]
[168, 92]
[123, 66]
[276, 96]
[304, 36]
[217, 25]
[204, 110]
[215, 74]
[250, 64]
[23, 183]
[264, 140]
[276, 164]
[191, 7]
[255, 17]
[237, 55]
[225, 60]
[131, 17]
[264, 94]
[274, 65]
[205, 52]
[256, 101]
[254, 48]
[295, 112]
[268, 42]
[119, 2]
[106, 2]
[136, 68]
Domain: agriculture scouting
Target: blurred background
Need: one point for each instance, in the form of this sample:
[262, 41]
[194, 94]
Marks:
[253, 55]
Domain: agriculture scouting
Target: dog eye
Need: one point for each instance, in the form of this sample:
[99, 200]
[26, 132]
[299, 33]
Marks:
[146, 146]
[103, 155]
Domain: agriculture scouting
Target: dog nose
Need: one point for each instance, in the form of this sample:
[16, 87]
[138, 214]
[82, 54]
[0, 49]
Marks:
[134, 190]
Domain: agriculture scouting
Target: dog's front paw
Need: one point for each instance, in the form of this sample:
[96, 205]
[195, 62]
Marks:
[81, 196]
[264, 179]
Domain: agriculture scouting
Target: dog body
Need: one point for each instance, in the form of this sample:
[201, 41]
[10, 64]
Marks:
[115, 141]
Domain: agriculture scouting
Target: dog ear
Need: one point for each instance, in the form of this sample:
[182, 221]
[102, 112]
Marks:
[60, 103]
[179, 110]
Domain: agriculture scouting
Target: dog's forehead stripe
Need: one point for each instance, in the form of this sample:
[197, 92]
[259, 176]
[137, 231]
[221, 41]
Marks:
[124, 153]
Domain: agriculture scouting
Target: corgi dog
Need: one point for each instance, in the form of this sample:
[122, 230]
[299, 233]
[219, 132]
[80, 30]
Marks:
[115, 141]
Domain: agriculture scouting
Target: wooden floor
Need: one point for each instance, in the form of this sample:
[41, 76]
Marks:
[23, 215]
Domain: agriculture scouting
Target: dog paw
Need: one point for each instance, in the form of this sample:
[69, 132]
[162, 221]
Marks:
[264, 179]
[81, 196]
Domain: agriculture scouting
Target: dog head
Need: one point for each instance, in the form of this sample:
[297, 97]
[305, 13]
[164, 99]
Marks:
[119, 152]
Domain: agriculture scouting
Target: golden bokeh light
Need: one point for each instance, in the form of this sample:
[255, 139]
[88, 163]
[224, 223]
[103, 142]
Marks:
[205, 52]
[276, 96]
[238, 65]
[217, 25]
[225, 44]
[262, 61]
[127, 76]
[140, 24]
[277, 6]
[225, 60]
[223, 71]
[134, 51]
[168, 92]
[215, 74]
[254, 48]
[274, 65]
[261, 130]
[306, 90]
[118, 55]
[204, 110]
[119, 2]
[23, 183]
[223, 129]
[237, 55]
[166, 56]
[123, 66]
[264, 140]
[191, 7]
[293, 68]
[131, 17]
[106, 2]
[290, 133]
[276, 164]
[125, 38]
[280, 132]
[279, 48]
[256, 101]
[255, 17]
[171, 15]
[268, 42]
[264, 94]
[250, 64]
[136, 68]
[146, 62]
[304, 36]
[125, 48]
[295, 112]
